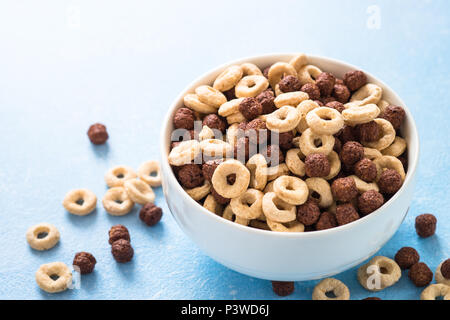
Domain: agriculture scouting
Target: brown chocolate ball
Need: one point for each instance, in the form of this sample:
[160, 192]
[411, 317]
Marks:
[283, 288]
[420, 274]
[317, 165]
[390, 181]
[320, 103]
[266, 99]
[209, 167]
[325, 81]
[118, 232]
[290, 84]
[372, 298]
[355, 80]
[445, 269]
[97, 133]
[266, 72]
[85, 261]
[312, 90]
[308, 213]
[337, 145]
[341, 93]
[395, 115]
[250, 108]
[347, 134]
[285, 140]
[150, 214]
[346, 213]
[214, 121]
[327, 220]
[406, 257]
[366, 170]
[344, 189]
[184, 118]
[425, 225]
[257, 131]
[219, 199]
[122, 251]
[326, 100]
[230, 94]
[242, 149]
[190, 176]
[336, 105]
[370, 201]
[351, 152]
[270, 152]
[369, 131]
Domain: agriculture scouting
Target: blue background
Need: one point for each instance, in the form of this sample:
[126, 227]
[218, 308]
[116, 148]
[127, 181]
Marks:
[67, 64]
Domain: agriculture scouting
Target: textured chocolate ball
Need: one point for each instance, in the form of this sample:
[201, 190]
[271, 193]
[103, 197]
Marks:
[308, 213]
[366, 170]
[420, 274]
[257, 131]
[214, 121]
[250, 108]
[406, 257]
[150, 214]
[369, 131]
[219, 199]
[190, 176]
[230, 94]
[312, 90]
[346, 213]
[326, 100]
[341, 93]
[395, 115]
[285, 140]
[347, 134]
[336, 105]
[85, 261]
[283, 288]
[122, 251]
[425, 225]
[266, 99]
[317, 165]
[209, 167]
[97, 133]
[351, 152]
[118, 232]
[289, 84]
[184, 118]
[325, 81]
[344, 189]
[327, 220]
[337, 145]
[370, 201]
[390, 181]
[270, 154]
[355, 80]
[445, 269]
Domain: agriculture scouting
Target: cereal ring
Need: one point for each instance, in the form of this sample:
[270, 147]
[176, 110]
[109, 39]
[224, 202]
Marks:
[250, 69]
[230, 107]
[54, 277]
[42, 236]
[396, 148]
[117, 202]
[322, 187]
[145, 171]
[229, 215]
[293, 226]
[248, 205]
[277, 90]
[283, 120]
[192, 101]
[139, 191]
[223, 170]
[354, 115]
[200, 192]
[215, 148]
[278, 71]
[236, 118]
[291, 189]
[276, 209]
[324, 120]
[387, 138]
[335, 165]
[293, 98]
[308, 73]
[257, 165]
[80, 202]
[277, 171]
[363, 186]
[184, 152]
[367, 94]
[331, 285]
[115, 177]
[439, 277]
[304, 108]
[299, 61]
[434, 291]
[211, 205]
[389, 162]
[210, 96]
[251, 86]
[383, 104]
[205, 133]
[379, 273]
[308, 140]
[294, 162]
[232, 134]
[228, 78]
[371, 153]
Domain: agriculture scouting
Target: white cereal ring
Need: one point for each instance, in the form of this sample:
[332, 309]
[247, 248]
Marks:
[205, 133]
[324, 120]
[215, 148]
[184, 152]
[210, 96]
[292, 226]
[43, 236]
[363, 186]
[139, 191]
[277, 210]
[232, 134]
[192, 101]
[236, 118]
[379, 273]
[277, 171]
[146, 170]
[278, 71]
[250, 69]
[291, 189]
[229, 215]
[299, 61]
[248, 205]
[223, 170]
[283, 120]
[211, 205]
[116, 177]
[228, 78]
[304, 108]
[389, 162]
[199, 192]
[308, 74]
[308, 140]
[338, 288]
[230, 107]
[434, 291]
[335, 165]
[294, 161]
[396, 148]
[53, 277]
[293, 98]
[371, 153]
[387, 138]
[354, 115]
[369, 93]
[80, 202]
[117, 202]
[257, 165]
[251, 86]
[383, 104]
[322, 187]
[440, 277]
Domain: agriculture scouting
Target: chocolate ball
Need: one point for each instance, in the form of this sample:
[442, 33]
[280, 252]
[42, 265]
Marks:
[337, 145]
[266, 99]
[308, 213]
[327, 220]
[317, 165]
[242, 149]
[395, 115]
[346, 213]
[355, 80]
[250, 108]
[347, 134]
[85, 261]
[285, 140]
[406, 257]
[270, 152]
[372, 298]
[425, 225]
[370, 201]
[366, 170]
[184, 118]
[289, 84]
[257, 131]
[351, 152]
[420, 274]
[341, 93]
[325, 81]
[190, 176]
[122, 251]
[312, 90]
[390, 181]
[97, 133]
[219, 199]
[445, 269]
[344, 189]
[369, 131]
[214, 121]
[150, 214]
[118, 232]
[283, 288]
[209, 167]
[336, 105]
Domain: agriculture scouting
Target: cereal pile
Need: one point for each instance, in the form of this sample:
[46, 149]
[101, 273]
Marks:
[291, 148]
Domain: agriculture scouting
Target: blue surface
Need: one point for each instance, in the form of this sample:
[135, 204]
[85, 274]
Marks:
[67, 64]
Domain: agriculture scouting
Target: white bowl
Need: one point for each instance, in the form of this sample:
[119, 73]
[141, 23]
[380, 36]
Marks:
[288, 256]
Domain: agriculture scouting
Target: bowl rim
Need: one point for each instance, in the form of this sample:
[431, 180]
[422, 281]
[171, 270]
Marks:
[412, 165]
